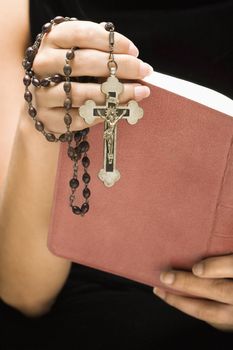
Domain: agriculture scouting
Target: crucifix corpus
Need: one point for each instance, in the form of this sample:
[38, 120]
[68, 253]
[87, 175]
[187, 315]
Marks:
[111, 112]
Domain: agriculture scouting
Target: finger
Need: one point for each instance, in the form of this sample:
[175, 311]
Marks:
[86, 34]
[88, 62]
[205, 310]
[53, 120]
[215, 289]
[80, 92]
[215, 267]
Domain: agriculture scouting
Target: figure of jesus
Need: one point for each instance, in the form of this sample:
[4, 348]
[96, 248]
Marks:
[111, 118]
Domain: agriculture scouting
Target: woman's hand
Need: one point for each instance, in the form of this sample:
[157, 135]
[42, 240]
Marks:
[90, 60]
[211, 281]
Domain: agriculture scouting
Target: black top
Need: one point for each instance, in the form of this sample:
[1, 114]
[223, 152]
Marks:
[187, 39]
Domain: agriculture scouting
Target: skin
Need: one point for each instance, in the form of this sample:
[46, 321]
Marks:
[211, 282]
[30, 276]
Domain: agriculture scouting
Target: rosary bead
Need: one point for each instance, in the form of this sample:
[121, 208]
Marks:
[57, 78]
[76, 210]
[77, 136]
[85, 208]
[50, 137]
[31, 53]
[73, 19]
[85, 132]
[35, 82]
[71, 152]
[86, 192]
[32, 111]
[74, 183]
[68, 103]
[86, 178]
[70, 54]
[78, 155]
[68, 119]
[63, 138]
[109, 26]
[47, 27]
[28, 96]
[67, 86]
[85, 162]
[83, 146]
[67, 69]
[69, 136]
[26, 64]
[27, 80]
[59, 19]
[39, 37]
[45, 82]
[39, 126]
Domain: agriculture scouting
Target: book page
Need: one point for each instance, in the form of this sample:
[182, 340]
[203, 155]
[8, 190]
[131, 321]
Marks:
[195, 92]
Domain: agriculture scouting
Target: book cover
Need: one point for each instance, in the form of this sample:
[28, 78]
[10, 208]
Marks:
[173, 204]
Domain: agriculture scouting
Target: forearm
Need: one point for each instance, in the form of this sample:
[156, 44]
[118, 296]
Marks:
[29, 273]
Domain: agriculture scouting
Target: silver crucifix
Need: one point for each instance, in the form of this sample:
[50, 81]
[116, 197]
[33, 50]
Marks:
[111, 112]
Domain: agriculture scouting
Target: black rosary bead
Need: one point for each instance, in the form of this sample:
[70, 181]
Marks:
[70, 54]
[27, 80]
[26, 64]
[84, 132]
[63, 138]
[31, 53]
[68, 119]
[58, 19]
[67, 86]
[50, 137]
[86, 178]
[85, 162]
[69, 136]
[67, 69]
[28, 96]
[77, 153]
[68, 103]
[86, 192]
[35, 82]
[32, 111]
[83, 146]
[74, 183]
[45, 82]
[39, 125]
[76, 210]
[57, 78]
[85, 208]
[77, 135]
[47, 27]
[71, 152]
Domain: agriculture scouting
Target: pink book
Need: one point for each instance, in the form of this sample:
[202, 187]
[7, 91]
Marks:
[173, 204]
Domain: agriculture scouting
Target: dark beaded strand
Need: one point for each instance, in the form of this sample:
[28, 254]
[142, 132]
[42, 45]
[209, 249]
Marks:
[78, 137]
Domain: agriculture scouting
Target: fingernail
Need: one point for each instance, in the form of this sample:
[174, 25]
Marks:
[198, 269]
[133, 50]
[167, 277]
[141, 92]
[145, 69]
[159, 292]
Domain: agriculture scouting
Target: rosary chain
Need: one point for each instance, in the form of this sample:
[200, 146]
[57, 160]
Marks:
[79, 137]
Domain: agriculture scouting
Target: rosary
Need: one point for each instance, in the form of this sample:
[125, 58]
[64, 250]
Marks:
[111, 113]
